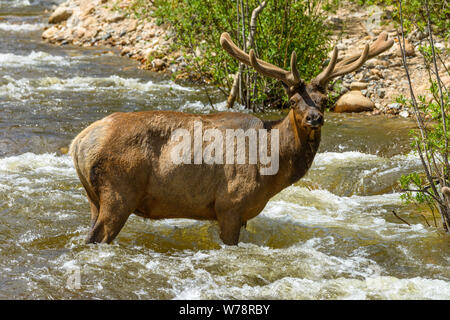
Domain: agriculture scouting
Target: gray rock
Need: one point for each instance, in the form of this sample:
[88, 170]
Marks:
[115, 17]
[106, 36]
[343, 90]
[404, 114]
[439, 45]
[158, 64]
[381, 93]
[60, 14]
[394, 106]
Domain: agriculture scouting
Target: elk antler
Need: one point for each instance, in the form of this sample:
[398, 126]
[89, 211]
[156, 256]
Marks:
[353, 62]
[290, 78]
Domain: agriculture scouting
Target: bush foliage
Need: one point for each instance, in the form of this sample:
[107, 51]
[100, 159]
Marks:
[415, 14]
[283, 26]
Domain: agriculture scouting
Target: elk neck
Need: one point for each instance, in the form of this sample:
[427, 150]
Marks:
[298, 146]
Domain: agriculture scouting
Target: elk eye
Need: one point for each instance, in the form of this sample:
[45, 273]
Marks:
[308, 118]
[292, 102]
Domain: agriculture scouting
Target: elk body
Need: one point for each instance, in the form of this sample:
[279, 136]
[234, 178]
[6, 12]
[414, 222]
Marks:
[124, 163]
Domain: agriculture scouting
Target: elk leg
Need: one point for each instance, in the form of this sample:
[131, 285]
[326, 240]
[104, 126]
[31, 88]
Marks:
[111, 219]
[94, 213]
[230, 227]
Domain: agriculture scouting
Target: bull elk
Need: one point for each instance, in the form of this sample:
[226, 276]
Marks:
[123, 160]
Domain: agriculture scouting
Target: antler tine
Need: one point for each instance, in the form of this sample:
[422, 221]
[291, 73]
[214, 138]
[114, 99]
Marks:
[294, 70]
[233, 50]
[380, 45]
[263, 67]
[323, 77]
[345, 68]
[353, 62]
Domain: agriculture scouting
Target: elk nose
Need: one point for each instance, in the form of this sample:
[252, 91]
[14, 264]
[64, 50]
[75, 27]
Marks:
[314, 119]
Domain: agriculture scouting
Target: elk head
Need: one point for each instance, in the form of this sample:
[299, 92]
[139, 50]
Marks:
[307, 99]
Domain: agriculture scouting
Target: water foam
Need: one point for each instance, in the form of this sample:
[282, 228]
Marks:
[24, 27]
[24, 88]
[18, 87]
[15, 3]
[35, 58]
[321, 208]
[47, 163]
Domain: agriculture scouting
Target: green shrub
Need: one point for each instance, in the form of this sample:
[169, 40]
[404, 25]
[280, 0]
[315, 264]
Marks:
[283, 26]
[431, 141]
[414, 13]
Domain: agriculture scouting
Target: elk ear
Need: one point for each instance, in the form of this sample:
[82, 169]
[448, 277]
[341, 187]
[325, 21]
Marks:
[294, 100]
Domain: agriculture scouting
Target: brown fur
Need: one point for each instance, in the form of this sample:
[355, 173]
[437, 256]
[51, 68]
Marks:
[124, 162]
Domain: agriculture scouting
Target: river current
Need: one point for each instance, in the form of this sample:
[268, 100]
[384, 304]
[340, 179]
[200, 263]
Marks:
[332, 235]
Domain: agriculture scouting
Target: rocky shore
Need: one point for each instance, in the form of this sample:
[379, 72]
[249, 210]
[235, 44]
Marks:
[372, 89]
[104, 23]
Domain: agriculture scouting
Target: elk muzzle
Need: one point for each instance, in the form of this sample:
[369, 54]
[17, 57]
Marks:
[313, 118]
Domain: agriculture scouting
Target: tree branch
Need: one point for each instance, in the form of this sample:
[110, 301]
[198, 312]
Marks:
[250, 42]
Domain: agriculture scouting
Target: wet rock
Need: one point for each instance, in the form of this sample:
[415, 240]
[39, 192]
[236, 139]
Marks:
[353, 101]
[394, 106]
[125, 51]
[49, 33]
[64, 150]
[158, 64]
[60, 14]
[404, 114]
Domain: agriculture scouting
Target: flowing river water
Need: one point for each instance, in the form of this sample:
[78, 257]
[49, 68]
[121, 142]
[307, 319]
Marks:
[330, 236]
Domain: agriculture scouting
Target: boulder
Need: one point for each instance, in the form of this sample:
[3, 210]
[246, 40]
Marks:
[353, 101]
[60, 14]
